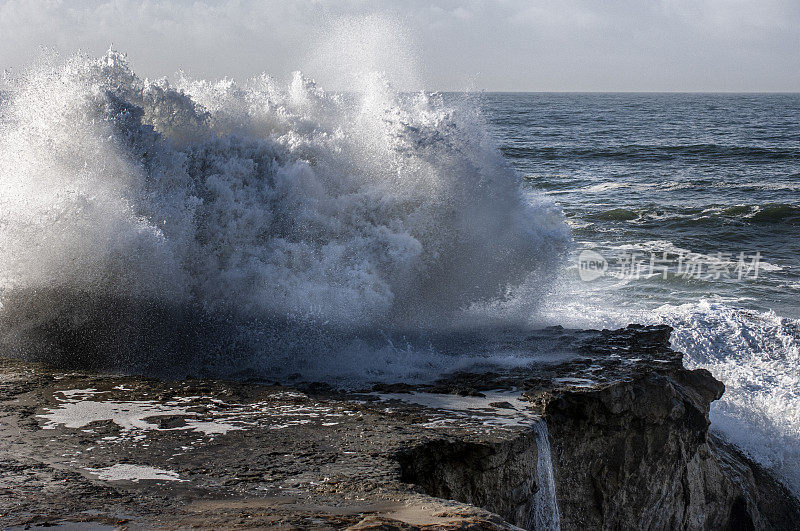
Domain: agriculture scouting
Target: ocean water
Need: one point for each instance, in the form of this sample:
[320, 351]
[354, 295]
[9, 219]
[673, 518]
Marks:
[263, 229]
[713, 181]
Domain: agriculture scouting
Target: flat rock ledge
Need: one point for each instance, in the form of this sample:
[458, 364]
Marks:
[615, 435]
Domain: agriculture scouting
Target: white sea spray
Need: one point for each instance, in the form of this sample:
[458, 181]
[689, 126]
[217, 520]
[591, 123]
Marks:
[280, 218]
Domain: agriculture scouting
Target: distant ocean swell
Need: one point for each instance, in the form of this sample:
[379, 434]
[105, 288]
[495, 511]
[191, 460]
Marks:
[659, 153]
[761, 213]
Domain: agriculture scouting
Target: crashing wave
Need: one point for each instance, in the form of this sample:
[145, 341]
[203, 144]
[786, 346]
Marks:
[141, 220]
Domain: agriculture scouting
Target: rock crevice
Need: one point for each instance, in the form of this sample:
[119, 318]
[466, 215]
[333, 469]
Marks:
[498, 476]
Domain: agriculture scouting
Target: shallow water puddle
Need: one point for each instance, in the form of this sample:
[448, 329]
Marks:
[501, 409]
[135, 473]
[78, 409]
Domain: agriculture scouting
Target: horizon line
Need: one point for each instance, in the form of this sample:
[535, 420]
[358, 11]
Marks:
[487, 91]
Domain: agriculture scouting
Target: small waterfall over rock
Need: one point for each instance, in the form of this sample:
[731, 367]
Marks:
[545, 513]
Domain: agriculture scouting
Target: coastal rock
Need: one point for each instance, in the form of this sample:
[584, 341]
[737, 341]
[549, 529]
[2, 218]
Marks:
[615, 435]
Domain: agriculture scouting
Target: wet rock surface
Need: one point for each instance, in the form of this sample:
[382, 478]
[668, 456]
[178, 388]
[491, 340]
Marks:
[628, 426]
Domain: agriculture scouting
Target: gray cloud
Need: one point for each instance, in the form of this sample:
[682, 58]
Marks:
[440, 44]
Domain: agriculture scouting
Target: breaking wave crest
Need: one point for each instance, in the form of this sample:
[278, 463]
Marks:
[141, 220]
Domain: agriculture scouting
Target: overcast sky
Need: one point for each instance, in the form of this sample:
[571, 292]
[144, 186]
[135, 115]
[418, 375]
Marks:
[504, 45]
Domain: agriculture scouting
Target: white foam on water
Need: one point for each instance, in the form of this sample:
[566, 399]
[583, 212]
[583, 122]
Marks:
[757, 356]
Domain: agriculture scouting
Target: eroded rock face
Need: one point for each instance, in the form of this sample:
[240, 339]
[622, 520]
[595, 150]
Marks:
[640, 453]
[628, 426]
[636, 455]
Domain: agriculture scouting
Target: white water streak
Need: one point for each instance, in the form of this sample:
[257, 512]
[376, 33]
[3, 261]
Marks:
[546, 515]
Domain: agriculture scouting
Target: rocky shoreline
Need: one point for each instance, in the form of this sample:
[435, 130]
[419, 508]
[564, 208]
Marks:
[614, 436]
